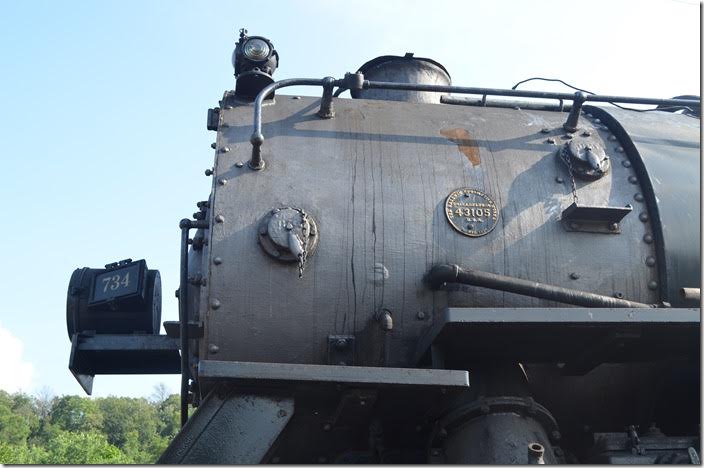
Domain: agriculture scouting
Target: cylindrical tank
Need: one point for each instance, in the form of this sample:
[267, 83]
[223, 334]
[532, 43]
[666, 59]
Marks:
[406, 69]
[376, 180]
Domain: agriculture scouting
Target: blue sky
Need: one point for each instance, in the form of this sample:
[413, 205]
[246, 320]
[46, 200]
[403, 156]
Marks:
[103, 107]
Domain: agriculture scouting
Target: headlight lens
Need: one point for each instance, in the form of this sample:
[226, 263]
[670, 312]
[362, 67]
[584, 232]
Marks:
[256, 49]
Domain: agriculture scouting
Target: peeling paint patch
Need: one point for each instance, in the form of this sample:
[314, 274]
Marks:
[464, 142]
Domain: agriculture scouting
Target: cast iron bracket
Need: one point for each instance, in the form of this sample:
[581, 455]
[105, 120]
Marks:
[598, 219]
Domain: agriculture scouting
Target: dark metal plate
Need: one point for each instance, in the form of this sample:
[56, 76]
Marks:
[471, 212]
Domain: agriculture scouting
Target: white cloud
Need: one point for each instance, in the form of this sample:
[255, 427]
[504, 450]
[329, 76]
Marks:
[16, 374]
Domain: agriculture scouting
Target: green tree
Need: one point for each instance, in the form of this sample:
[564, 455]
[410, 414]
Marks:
[81, 448]
[76, 414]
[16, 421]
[132, 425]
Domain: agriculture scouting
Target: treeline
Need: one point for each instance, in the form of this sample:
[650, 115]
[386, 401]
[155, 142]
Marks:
[78, 430]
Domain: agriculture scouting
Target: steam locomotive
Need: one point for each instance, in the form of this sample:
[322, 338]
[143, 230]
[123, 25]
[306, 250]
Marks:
[414, 276]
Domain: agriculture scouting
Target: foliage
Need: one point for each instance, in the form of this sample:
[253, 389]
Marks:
[78, 430]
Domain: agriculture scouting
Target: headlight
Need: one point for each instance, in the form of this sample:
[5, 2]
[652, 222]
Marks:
[256, 49]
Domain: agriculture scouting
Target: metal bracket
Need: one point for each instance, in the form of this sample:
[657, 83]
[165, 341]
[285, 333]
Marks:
[341, 350]
[354, 407]
[598, 219]
[213, 119]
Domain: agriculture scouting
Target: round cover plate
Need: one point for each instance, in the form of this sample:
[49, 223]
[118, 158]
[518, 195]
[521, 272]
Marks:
[471, 212]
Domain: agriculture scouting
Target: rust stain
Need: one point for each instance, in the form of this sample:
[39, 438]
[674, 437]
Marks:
[464, 142]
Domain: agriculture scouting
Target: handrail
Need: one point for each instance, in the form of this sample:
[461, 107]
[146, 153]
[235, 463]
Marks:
[357, 81]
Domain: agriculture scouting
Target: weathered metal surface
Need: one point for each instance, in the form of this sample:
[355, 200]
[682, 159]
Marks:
[121, 354]
[563, 334]
[665, 151]
[375, 178]
[230, 428]
[406, 69]
[273, 373]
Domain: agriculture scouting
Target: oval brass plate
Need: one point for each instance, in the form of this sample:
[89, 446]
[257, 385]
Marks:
[471, 212]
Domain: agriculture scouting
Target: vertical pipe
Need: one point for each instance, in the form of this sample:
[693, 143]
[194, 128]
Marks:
[185, 225]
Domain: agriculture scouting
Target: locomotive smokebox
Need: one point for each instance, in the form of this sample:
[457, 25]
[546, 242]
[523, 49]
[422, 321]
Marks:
[406, 69]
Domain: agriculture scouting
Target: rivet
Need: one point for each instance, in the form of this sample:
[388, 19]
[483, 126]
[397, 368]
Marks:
[643, 217]
[228, 107]
[341, 343]
[633, 179]
[212, 348]
[618, 295]
[213, 145]
[470, 226]
[296, 97]
[568, 136]
[217, 260]
[208, 172]
[556, 435]
[653, 285]
[215, 304]
[648, 238]
[574, 275]
[613, 227]
[638, 197]
[612, 138]
[226, 149]
[545, 130]
[597, 120]
[586, 133]
[219, 219]
[420, 315]
[282, 413]
[550, 141]
[619, 149]
[626, 163]
[559, 179]
[327, 427]
[222, 181]
[650, 261]
[239, 164]
[589, 115]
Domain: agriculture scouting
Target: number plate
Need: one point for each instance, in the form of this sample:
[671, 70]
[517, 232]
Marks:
[117, 283]
[471, 212]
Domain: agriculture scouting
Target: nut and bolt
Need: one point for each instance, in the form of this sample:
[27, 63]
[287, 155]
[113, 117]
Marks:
[222, 181]
[225, 149]
[574, 275]
[420, 315]
[618, 295]
[545, 130]
[213, 145]
[341, 343]
[550, 141]
[289, 226]
[613, 227]
[208, 172]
